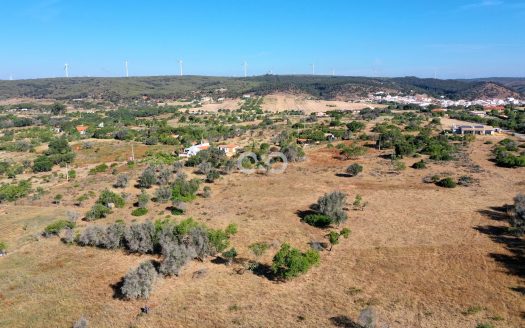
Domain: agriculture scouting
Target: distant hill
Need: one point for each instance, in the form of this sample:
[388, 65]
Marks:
[515, 83]
[324, 87]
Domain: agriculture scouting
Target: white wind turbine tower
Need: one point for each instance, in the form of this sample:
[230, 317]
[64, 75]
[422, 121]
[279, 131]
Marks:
[313, 69]
[245, 64]
[66, 69]
[180, 66]
[126, 68]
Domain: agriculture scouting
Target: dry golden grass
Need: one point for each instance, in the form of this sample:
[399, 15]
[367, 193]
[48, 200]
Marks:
[282, 101]
[414, 254]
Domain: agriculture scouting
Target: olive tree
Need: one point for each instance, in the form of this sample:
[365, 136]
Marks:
[332, 205]
[138, 283]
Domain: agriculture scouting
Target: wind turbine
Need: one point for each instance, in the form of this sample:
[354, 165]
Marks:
[66, 69]
[245, 69]
[180, 66]
[126, 68]
[313, 69]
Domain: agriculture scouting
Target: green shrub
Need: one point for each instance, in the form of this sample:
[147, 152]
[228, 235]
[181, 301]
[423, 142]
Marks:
[259, 249]
[446, 183]
[332, 205]
[3, 247]
[231, 229]
[354, 169]
[318, 220]
[219, 240]
[184, 190]
[12, 192]
[57, 226]
[107, 197]
[148, 177]
[419, 165]
[230, 254]
[42, 164]
[289, 262]
[140, 211]
[398, 165]
[101, 168]
[333, 238]
[345, 232]
[98, 211]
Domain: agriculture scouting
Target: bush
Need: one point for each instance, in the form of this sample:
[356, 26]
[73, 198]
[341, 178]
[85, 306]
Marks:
[206, 192]
[147, 178]
[230, 255]
[143, 199]
[259, 249]
[333, 238]
[184, 190]
[518, 219]
[231, 229]
[345, 232]
[175, 257]
[12, 192]
[165, 175]
[3, 247]
[93, 236]
[163, 194]
[318, 220]
[114, 235]
[139, 211]
[446, 183]
[108, 197]
[138, 283]
[101, 168]
[42, 164]
[54, 228]
[212, 176]
[122, 181]
[140, 237]
[354, 169]
[293, 153]
[465, 181]
[332, 205]
[289, 262]
[351, 152]
[98, 211]
[419, 165]
[204, 168]
[398, 165]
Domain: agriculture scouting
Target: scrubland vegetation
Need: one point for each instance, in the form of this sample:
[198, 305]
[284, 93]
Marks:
[371, 204]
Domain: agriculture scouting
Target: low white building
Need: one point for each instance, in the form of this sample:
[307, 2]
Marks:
[194, 150]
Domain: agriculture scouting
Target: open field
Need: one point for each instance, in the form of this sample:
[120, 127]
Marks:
[282, 101]
[419, 255]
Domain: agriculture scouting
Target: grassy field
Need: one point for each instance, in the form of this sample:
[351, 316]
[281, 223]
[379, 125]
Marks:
[419, 255]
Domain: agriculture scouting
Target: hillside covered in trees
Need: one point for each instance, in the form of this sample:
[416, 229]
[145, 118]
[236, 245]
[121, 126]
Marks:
[324, 87]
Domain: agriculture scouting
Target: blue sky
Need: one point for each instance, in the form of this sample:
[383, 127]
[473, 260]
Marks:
[447, 38]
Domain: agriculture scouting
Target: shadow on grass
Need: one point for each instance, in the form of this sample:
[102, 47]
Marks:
[264, 270]
[344, 322]
[515, 261]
